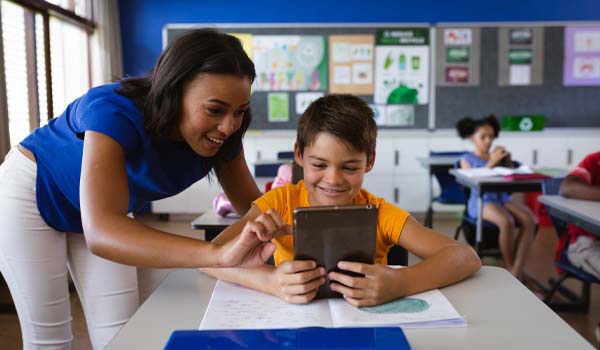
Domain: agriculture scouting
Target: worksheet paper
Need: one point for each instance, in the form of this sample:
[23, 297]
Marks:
[236, 307]
[495, 171]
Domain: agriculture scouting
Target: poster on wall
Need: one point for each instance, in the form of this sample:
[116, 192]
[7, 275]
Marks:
[457, 56]
[278, 104]
[351, 64]
[290, 62]
[457, 50]
[582, 56]
[402, 66]
[521, 56]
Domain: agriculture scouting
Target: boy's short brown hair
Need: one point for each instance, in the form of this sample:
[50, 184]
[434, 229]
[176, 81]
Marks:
[345, 116]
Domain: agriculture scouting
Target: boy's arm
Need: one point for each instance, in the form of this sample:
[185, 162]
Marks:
[445, 261]
[575, 187]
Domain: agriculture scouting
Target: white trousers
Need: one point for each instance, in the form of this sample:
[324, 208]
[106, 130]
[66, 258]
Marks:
[35, 259]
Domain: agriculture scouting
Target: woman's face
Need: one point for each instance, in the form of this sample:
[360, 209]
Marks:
[483, 138]
[212, 110]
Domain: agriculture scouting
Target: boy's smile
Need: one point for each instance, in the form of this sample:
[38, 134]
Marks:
[333, 173]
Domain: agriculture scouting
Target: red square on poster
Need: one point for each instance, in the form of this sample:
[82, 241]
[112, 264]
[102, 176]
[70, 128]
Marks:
[457, 74]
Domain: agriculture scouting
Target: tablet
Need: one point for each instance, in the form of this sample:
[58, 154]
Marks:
[328, 234]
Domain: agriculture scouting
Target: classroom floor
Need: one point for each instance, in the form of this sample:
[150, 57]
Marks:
[540, 267]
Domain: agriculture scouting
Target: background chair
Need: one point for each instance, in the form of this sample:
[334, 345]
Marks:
[576, 303]
[450, 191]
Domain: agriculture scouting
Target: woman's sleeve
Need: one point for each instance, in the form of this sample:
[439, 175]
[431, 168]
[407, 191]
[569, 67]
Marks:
[111, 120]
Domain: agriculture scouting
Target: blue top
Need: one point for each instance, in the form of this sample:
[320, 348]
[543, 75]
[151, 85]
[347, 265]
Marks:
[155, 170]
[488, 197]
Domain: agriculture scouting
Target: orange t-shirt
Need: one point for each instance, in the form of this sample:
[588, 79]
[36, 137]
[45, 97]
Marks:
[285, 199]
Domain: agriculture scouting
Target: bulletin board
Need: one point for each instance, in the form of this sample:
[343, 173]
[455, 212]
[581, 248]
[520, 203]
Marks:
[355, 71]
[544, 93]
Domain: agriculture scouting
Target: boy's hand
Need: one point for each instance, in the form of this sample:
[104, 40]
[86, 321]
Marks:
[379, 285]
[297, 281]
[252, 246]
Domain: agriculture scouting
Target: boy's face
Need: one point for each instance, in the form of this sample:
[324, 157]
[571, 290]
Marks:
[333, 174]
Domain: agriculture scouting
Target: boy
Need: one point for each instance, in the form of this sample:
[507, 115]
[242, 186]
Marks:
[583, 183]
[335, 146]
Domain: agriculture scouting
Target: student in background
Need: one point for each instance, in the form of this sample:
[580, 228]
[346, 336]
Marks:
[111, 152]
[583, 183]
[335, 147]
[515, 221]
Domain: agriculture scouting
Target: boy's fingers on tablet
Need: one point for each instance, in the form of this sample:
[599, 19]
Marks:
[303, 288]
[303, 277]
[301, 298]
[357, 293]
[354, 282]
[365, 269]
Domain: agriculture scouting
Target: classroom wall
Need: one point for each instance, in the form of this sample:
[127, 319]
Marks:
[142, 20]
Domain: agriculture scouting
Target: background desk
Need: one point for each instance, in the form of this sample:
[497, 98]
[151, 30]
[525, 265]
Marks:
[501, 312]
[585, 214]
[493, 184]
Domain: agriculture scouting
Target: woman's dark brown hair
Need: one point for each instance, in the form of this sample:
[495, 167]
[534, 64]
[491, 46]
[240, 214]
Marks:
[159, 94]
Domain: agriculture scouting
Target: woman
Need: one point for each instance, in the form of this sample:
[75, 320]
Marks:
[112, 151]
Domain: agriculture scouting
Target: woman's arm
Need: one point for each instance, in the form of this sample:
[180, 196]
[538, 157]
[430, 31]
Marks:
[575, 187]
[111, 234]
[238, 183]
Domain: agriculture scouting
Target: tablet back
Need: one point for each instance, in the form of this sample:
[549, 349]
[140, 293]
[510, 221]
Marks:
[333, 233]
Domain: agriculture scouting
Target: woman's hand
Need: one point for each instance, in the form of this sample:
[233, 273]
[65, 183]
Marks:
[297, 281]
[252, 247]
[380, 284]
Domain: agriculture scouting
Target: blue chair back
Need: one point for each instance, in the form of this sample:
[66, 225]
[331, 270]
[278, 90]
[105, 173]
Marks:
[551, 187]
[451, 191]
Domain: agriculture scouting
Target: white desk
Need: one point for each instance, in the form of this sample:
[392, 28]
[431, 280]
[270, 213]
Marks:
[585, 214]
[501, 312]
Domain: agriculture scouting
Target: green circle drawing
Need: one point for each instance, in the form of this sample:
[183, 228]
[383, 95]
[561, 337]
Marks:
[403, 305]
